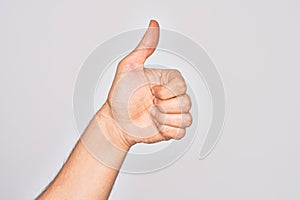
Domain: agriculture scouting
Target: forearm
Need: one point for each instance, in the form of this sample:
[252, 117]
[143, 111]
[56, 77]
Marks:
[93, 165]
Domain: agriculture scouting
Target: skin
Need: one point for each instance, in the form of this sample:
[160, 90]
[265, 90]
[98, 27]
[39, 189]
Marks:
[151, 100]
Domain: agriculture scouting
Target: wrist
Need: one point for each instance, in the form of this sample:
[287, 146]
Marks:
[104, 140]
[110, 128]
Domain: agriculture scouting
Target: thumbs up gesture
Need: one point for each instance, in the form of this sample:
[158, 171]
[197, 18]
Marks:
[146, 105]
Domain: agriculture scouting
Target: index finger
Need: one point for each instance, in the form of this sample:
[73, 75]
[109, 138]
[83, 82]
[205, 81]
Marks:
[174, 86]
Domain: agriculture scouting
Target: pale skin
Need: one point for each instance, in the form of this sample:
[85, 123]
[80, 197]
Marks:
[151, 98]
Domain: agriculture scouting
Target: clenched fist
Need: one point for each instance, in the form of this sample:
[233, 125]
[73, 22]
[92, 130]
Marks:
[146, 105]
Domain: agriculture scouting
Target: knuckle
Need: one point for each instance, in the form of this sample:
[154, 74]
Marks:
[175, 72]
[188, 120]
[189, 104]
[183, 85]
[180, 84]
[186, 102]
[180, 134]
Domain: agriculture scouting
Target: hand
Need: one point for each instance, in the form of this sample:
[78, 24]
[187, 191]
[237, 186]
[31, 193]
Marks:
[146, 105]
[143, 105]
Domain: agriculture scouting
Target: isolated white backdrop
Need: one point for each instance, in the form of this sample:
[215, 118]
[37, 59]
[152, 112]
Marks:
[254, 44]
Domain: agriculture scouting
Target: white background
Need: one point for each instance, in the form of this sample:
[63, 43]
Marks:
[254, 44]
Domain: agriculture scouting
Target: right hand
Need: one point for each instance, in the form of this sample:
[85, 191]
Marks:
[147, 105]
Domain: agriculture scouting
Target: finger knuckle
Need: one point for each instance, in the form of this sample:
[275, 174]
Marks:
[175, 72]
[180, 134]
[188, 120]
[186, 103]
[183, 86]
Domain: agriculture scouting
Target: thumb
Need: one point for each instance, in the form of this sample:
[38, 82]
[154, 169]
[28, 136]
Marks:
[143, 50]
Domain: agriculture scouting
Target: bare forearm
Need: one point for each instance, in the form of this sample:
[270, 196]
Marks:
[92, 167]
